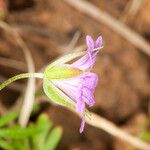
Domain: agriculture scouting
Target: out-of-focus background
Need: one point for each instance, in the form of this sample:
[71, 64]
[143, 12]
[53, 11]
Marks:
[51, 28]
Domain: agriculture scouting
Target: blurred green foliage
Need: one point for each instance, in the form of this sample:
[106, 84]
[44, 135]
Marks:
[145, 136]
[145, 132]
[37, 136]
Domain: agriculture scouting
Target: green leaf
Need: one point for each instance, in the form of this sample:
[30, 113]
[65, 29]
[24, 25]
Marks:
[56, 95]
[20, 144]
[4, 120]
[18, 132]
[35, 109]
[5, 145]
[53, 139]
[26, 144]
[44, 124]
[18, 138]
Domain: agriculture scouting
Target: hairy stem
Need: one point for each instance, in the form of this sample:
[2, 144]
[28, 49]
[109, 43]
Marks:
[20, 76]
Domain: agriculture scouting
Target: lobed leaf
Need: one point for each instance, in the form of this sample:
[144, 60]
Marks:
[5, 145]
[44, 124]
[18, 132]
[53, 139]
[4, 120]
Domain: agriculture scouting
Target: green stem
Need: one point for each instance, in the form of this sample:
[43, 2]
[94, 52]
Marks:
[20, 76]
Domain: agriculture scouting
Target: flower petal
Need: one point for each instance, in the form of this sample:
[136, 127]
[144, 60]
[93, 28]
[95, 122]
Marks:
[89, 83]
[90, 80]
[81, 63]
[88, 97]
[91, 61]
[82, 124]
[80, 106]
[90, 43]
[98, 42]
[87, 61]
[69, 86]
[80, 89]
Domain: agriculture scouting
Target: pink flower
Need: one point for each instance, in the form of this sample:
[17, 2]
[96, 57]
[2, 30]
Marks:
[80, 88]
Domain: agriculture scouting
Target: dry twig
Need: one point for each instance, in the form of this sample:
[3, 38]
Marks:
[131, 9]
[112, 23]
[13, 64]
[74, 41]
[30, 90]
[111, 128]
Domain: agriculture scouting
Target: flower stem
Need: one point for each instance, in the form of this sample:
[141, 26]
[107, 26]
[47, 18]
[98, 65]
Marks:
[20, 76]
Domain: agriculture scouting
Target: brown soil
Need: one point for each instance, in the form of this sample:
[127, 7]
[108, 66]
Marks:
[47, 27]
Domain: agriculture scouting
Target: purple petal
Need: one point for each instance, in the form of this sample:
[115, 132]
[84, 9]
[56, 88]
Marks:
[92, 60]
[82, 124]
[98, 42]
[89, 83]
[90, 43]
[69, 86]
[86, 62]
[80, 89]
[90, 80]
[81, 63]
[88, 97]
[80, 106]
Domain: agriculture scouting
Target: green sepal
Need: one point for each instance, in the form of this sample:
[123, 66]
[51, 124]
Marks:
[59, 72]
[53, 94]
